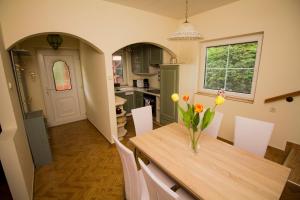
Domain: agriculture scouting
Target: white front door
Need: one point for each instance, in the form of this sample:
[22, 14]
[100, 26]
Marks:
[62, 85]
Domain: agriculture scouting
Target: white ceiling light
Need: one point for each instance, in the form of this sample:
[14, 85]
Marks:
[186, 31]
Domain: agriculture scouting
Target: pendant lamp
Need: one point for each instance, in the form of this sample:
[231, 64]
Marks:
[185, 31]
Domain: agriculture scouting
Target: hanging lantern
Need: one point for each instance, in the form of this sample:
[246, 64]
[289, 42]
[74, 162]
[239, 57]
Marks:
[54, 40]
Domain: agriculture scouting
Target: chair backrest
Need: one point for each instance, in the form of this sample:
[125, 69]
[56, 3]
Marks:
[131, 177]
[142, 118]
[156, 188]
[252, 135]
[214, 127]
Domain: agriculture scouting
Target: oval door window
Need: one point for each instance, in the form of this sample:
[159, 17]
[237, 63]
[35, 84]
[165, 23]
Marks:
[61, 75]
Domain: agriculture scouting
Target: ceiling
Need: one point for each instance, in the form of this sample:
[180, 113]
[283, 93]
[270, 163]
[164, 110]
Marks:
[173, 8]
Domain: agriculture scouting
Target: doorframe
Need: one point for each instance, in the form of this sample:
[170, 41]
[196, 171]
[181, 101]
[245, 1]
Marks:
[78, 79]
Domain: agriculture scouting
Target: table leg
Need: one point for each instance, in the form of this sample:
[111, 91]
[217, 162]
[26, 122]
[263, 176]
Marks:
[136, 158]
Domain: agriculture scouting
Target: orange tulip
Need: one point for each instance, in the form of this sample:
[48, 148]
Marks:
[198, 108]
[185, 98]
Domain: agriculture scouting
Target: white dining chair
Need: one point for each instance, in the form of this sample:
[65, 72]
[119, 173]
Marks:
[135, 186]
[214, 127]
[252, 135]
[142, 119]
[158, 190]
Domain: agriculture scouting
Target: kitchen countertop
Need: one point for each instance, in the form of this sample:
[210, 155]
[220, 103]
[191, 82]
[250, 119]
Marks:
[131, 89]
[119, 101]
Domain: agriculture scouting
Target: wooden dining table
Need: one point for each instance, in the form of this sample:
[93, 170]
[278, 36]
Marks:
[217, 171]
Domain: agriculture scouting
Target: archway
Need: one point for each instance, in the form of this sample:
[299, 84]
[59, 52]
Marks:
[136, 72]
[92, 74]
[172, 53]
[61, 33]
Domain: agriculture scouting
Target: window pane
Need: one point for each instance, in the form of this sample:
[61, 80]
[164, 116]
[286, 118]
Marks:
[239, 80]
[230, 67]
[216, 57]
[61, 76]
[214, 79]
[118, 69]
[242, 55]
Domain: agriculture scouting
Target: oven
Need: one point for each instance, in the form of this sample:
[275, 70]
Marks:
[150, 100]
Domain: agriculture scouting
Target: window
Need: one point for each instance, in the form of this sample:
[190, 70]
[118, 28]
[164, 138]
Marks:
[119, 68]
[61, 76]
[232, 65]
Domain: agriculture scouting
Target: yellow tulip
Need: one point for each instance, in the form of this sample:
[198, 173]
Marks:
[219, 100]
[175, 97]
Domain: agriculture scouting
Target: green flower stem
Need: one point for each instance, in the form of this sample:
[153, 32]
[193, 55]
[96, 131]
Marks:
[213, 110]
[198, 137]
[194, 141]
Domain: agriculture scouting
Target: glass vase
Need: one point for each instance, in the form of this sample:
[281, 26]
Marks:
[194, 139]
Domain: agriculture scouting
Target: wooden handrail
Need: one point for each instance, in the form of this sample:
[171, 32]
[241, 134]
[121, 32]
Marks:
[284, 96]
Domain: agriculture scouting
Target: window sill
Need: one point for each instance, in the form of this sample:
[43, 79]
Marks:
[239, 99]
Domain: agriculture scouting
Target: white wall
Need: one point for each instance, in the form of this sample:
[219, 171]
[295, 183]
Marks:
[95, 88]
[107, 26]
[279, 65]
[110, 27]
[14, 150]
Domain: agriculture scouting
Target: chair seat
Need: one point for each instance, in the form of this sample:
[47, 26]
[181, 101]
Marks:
[183, 195]
[161, 175]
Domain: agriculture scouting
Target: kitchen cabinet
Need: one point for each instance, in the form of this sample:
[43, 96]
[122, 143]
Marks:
[37, 135]
[155, 55]
[139, 99]
[144, 55]
[130, 101]
[137, 59]
[169, 80]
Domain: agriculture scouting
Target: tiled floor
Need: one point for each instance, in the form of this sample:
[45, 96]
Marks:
[87, 167]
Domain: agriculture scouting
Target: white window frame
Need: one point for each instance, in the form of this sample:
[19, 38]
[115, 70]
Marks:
[240, 39]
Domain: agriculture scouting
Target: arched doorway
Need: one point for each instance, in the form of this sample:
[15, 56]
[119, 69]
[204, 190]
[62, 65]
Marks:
[51, 79]
[136, 71]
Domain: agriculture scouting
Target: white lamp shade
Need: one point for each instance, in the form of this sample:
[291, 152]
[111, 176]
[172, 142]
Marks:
[186, 31]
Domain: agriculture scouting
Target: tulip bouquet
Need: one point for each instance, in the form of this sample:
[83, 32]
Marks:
[191, 116]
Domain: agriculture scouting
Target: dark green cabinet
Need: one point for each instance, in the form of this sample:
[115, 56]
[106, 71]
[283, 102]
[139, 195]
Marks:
[137, 60]
[144, 55]
[130, 103]
[134, 100]
[139, 99]
[37, 136]
[146, 59]
[169, 80]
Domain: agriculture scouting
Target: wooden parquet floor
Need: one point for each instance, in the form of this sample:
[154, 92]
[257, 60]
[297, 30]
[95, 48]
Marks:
[87, 167]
